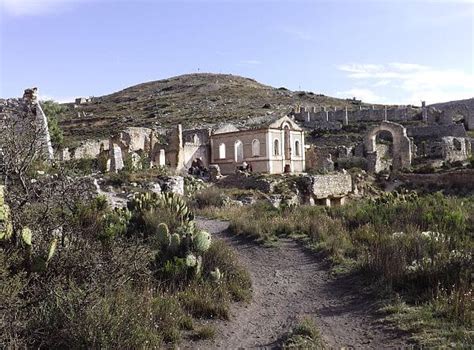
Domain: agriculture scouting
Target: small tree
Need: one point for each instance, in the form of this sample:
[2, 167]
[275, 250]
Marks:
[42, 203]
[54, 112]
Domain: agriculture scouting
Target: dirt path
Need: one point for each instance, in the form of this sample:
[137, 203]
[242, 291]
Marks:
[289, 283]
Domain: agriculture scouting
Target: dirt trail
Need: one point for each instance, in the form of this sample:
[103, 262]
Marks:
[289, 283]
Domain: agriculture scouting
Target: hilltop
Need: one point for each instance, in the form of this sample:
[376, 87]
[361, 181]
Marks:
[192, 100]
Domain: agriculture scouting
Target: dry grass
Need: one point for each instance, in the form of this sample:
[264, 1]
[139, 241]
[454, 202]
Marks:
[420, 247]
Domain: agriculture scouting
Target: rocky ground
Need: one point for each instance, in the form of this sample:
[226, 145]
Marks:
[290, 283]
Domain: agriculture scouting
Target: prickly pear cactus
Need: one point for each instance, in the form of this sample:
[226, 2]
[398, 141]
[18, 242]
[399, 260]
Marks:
[163, 235]
[202, 241]
[6, 229]
[191, 260]
[175, 242]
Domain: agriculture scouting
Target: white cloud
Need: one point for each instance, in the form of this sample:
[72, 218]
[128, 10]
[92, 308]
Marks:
[413, 82]
[19, 8]
[382, 83]
[59, 99]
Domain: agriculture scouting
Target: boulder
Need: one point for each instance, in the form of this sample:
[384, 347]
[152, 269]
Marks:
[174, 184]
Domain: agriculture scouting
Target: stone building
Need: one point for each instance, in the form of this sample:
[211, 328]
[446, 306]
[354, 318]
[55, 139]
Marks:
[275, 146]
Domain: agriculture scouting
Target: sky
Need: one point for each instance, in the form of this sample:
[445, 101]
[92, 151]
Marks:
[386, 51]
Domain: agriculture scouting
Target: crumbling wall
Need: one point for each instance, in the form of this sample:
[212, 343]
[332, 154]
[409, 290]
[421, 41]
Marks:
[456, 148]
[175, 149]
[328, 186]
[433, 131]
[196, 145]
[87, 149]
[320, 158]
[402, 146]
[29, 105]
[324, 116]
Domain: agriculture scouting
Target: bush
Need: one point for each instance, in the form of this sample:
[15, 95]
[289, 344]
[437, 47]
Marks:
[210, 197]
[304, 335]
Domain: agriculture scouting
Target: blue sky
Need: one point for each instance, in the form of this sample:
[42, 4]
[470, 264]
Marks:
[384, 51]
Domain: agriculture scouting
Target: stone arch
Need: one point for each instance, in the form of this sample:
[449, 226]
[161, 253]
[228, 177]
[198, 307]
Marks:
[402, 153]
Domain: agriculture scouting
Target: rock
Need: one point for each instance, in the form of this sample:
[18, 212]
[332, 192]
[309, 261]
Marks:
[174, 184]
[214, 172]
[154, 187]
[275, 200]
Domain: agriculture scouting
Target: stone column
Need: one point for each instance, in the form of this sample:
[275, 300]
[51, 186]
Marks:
[162, 158]
[31, 97]
[346, 117]
[424, 111]
[116, 159]
[385, 113]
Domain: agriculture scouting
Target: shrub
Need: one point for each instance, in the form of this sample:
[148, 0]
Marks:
[305, 335]
[210, 197]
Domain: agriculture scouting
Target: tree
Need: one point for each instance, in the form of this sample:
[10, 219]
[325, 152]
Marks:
[41, 202]
[54, 112]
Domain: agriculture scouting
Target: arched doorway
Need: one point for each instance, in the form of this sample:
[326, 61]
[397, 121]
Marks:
[239, 151]
[401, 146]
[384, 149]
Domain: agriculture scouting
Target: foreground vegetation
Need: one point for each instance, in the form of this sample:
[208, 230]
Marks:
[132, 278]
[416, 249]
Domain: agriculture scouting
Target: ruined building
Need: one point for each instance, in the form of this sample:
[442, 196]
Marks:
[27, 107]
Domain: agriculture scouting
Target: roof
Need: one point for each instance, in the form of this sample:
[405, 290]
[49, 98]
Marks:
[272, 121]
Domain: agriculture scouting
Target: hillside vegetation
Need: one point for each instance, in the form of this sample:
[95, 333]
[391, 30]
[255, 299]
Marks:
[192, 100]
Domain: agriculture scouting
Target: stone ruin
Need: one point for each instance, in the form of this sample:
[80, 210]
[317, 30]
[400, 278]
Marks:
[401, 152]
[428, 143]
[29, 106]
[325, 118]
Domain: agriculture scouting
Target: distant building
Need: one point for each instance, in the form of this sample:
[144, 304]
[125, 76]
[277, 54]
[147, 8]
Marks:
[274, 146]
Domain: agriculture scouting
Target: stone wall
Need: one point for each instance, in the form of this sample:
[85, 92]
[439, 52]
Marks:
[401, 152]
[456, 148]
[328, 186]
[320, 118]
[433, 131]
[87, 149]
[136, 143]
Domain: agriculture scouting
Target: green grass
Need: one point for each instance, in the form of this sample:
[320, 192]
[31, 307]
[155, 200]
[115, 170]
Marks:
[417, 246]
[305, 335]
[204, 332]
[105, 289]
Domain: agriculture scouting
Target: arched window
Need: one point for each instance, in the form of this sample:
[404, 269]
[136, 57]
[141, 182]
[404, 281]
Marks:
[297, 148]
[276, 147]
[239, 151]
[255, 148]
[222, 151]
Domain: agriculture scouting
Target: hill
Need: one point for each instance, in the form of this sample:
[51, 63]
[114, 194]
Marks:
[192, 100]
